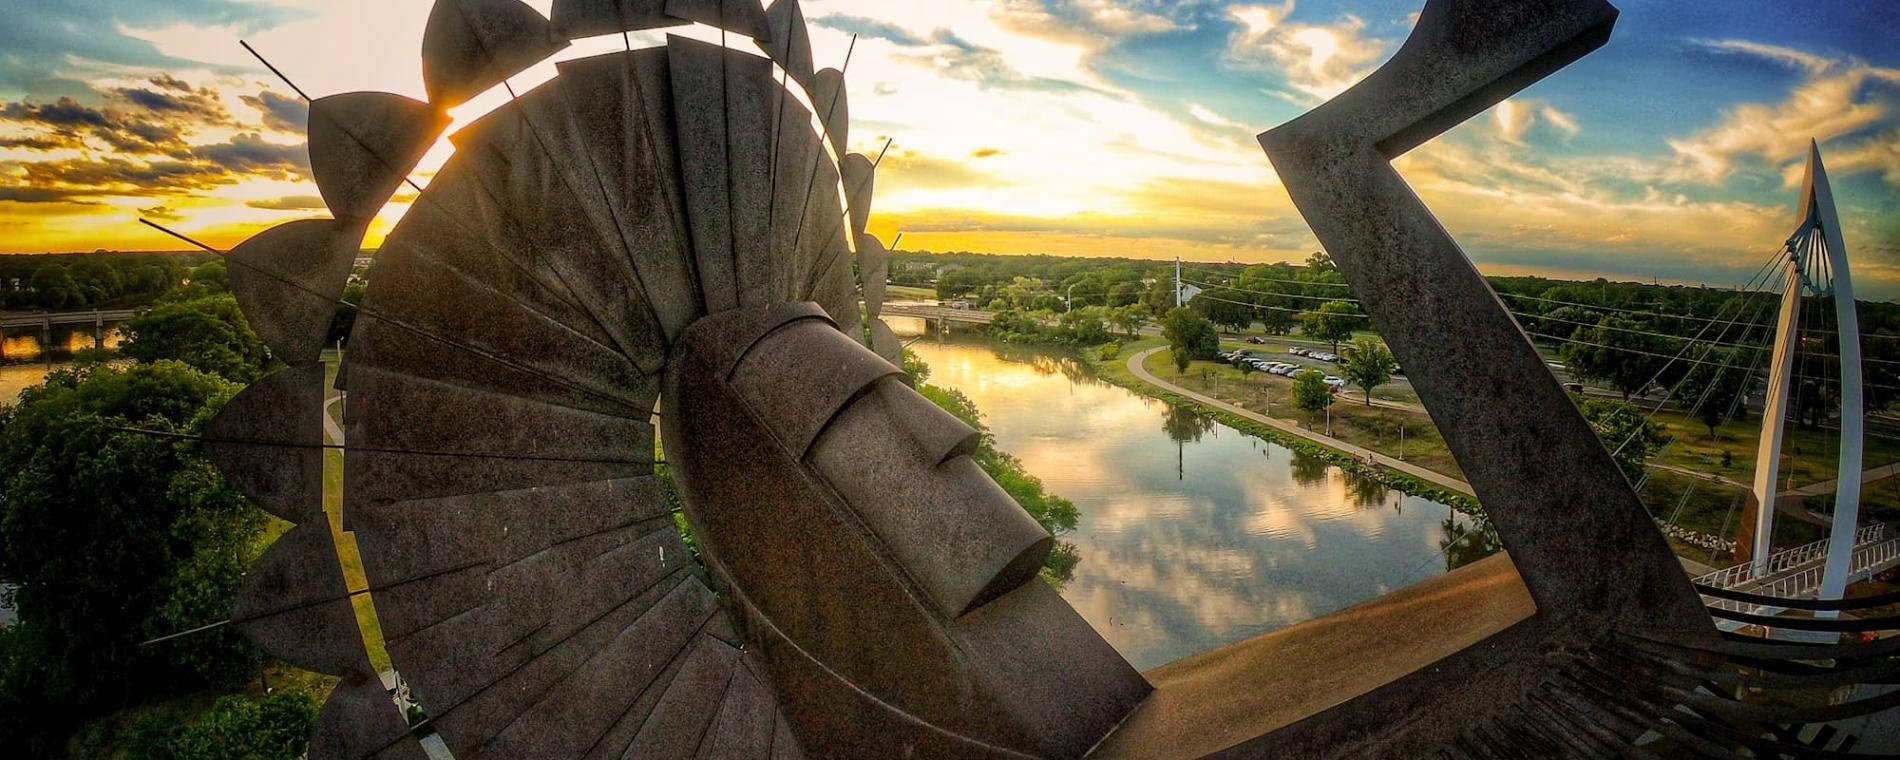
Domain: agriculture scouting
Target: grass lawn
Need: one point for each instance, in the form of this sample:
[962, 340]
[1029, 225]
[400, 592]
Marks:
[906, 292]
[1372, 427]
[1711, 503]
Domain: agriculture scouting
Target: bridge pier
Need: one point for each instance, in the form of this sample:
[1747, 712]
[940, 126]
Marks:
[46, 340]
[98, 329]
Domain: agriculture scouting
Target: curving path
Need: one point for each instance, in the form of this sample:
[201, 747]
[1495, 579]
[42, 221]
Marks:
[1137, 364]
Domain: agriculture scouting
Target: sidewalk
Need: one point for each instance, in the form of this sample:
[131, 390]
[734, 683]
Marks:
[1136, 365]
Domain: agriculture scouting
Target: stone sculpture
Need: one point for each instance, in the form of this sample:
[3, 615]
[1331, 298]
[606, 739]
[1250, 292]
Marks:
[667, 228]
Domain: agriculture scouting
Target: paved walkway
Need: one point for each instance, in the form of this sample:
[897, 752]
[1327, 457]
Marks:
[330, 428]
[1137, 365]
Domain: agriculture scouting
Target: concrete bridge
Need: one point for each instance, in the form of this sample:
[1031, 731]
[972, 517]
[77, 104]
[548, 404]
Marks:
[967, 316]
[39, 325]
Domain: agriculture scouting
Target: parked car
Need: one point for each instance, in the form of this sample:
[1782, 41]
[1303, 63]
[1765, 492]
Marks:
[1296, 351]
[1338, 383]
[1257, 341]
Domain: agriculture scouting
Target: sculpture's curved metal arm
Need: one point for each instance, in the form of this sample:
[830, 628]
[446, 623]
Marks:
[1580, 537]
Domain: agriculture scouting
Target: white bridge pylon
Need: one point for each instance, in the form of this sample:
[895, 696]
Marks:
[1816, 246]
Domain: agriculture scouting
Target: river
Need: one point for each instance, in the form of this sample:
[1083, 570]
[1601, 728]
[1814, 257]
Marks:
[18, 377]
[1192, 534]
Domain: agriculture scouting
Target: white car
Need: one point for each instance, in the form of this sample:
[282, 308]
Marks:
[1338, 383]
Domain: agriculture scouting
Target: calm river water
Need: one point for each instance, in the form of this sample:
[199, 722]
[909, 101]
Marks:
[1192, 534]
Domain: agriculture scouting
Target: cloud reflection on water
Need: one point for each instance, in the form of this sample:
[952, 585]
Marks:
[1189, 545]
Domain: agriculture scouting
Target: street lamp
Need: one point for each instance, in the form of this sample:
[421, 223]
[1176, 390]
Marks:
[1071, 298]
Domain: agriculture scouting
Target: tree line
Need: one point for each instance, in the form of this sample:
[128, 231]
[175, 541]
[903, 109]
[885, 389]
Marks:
[1634, 338]
[55, 282]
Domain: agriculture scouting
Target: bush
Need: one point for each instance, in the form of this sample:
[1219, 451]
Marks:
[1310, 391]
[276, 727]
[1109, 351]
[1186, 329]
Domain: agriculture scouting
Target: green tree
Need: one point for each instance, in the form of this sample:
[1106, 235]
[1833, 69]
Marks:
[1085, 328]
[1627, 432]
[1618, 351]
[115, 538]
[54, 288]
[1186, 330]
[1130, 319]
[1226, 307]
[209, 278]
[208, 333]
[273, 727]
[1715, 386]
[1310, 391]
[1333, 321]
[1181, 359]
[1369, 365]
[1276, 321]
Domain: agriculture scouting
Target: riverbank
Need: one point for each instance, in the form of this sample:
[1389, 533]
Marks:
[1127, 369]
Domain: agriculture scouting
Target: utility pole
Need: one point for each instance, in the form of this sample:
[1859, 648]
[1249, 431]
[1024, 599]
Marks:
[1401, 441]
[1071, 299]
[1177, 284]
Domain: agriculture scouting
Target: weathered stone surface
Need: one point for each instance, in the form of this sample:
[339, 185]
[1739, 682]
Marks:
[574, 19]
[859, 187]
[295, 605]
[472, 45]
[741, 16]
[618, 104]
[361, 721]
[288, 279]
[829, 99]
[803, 557]
[874, 270]
[961, 558]
[808, 377]
[267, 440]
[364, 144]
[790, 46]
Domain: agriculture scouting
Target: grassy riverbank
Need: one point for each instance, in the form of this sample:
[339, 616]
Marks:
[1697, 483]
[1115, 370]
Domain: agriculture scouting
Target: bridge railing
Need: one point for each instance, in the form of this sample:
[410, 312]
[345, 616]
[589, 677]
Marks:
[1868, 559]
[1785, 560]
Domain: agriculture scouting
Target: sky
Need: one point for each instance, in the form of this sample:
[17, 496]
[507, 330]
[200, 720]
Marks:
[1072, 127]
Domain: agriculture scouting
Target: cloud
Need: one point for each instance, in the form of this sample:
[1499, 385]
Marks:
[916, 170]
[1209, 117]
[955, 57]
[251, 154]
[57, 40]
[1316, 60]
[986, 152]
[871, 28]
[131, 121]
[282, 113]
[1835, 100]
[1104, 20]
[161, 213]
[291, 203]
[1515, 119]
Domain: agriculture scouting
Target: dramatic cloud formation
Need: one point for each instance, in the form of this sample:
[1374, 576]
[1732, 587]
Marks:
[1081, 127]
[1839, 98]
[1319, 60]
